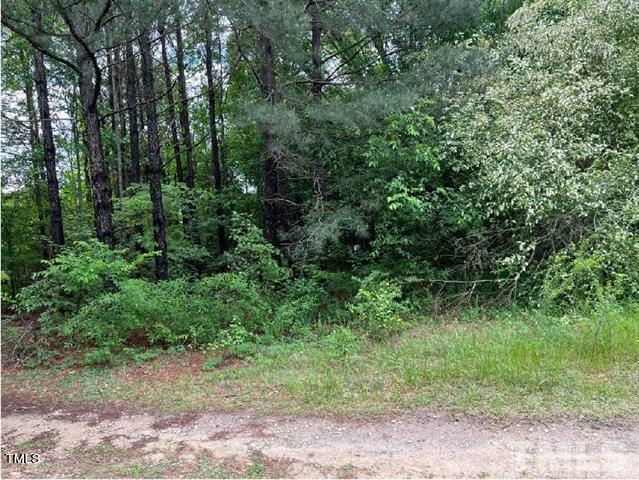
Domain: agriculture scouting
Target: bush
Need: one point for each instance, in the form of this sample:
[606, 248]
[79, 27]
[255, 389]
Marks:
[299, 308]
[253, 255]
[140, 312]
[544, 146]
[174, 312]
[343, 341]
[605, 266]
[375, 308]
[291, 315]
[81, 273]
[236, 340]
[238, 299]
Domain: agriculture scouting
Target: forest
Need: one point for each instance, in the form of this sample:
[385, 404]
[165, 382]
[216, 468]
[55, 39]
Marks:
[332, 199]
[425, 192]
[183, 174]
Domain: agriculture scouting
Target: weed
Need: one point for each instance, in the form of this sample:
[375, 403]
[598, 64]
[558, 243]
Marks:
[212, 363]
[256, 470]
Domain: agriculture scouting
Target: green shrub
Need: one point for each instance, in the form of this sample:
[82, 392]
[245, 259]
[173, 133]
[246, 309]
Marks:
[605, 266]
[173, 312]
[81, 273]
[292, 314]
[298, 309]
[376, 308]
[236, 340]
[99, 356]
[253, 255]
[342, 342]
[140, 312]
[212, 363]
[238, 299]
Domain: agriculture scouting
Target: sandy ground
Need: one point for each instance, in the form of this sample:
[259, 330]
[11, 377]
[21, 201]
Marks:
[417, 444]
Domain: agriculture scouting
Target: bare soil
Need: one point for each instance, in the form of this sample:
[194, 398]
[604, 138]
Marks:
[98, 443]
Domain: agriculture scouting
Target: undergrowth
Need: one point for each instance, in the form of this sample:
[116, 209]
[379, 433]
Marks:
[499, 362]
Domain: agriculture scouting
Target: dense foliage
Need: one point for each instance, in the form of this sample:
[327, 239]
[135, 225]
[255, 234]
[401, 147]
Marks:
[324, 167]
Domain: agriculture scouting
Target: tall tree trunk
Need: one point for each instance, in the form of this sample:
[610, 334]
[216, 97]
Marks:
[184, 110]
[155, 167]
[87, 173]
[171, 108]
[121, 76]
[269, 94]
[319, 178]
[315, 9]
[215, 149]
[221, 96]
[37, 173]
[144, 167]
[132, 103]
[89, 87]
[140, 107]
[76, 149]
[55, 207]
[115, 105]
[185, 127]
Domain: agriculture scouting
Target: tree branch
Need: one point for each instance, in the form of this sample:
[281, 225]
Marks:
[7, 22]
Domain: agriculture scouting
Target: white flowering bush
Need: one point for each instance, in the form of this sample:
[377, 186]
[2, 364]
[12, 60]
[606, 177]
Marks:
[549, 139]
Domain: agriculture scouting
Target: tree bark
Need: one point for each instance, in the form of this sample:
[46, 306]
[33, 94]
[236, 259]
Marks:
[87, 173]
[121, 76]
[132, 103]
[38, 172]
[269, 94]
[76, 149]
[221, 96]
[155, 168]
[171, 108]
[215, 149]
[116, 104]
[140, 109]
[55, 207]
[184, 110]
[89, 85]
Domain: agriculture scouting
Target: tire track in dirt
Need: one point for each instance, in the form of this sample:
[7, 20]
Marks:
[417, 444]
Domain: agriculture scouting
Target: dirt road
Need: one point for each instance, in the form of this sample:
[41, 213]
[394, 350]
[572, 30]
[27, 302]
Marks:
[418, 444]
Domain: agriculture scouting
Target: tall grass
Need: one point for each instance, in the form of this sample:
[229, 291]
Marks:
[501, 363]
[509, 362]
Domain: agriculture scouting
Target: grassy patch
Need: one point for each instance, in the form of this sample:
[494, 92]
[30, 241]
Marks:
[502, 363]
